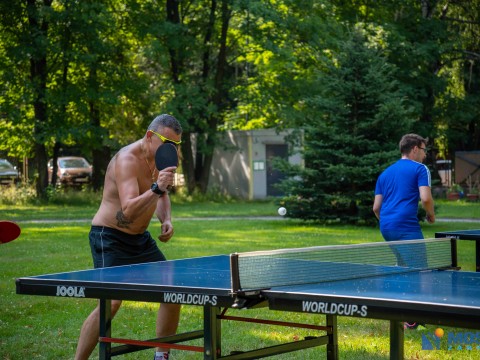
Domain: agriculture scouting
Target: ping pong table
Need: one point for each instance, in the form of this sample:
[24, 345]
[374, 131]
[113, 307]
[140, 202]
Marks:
[431, 295]
[473, 235]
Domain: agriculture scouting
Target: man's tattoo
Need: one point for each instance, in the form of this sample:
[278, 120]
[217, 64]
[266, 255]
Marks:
[122, 220]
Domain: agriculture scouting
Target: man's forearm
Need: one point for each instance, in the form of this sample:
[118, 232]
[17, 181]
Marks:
[164, 207]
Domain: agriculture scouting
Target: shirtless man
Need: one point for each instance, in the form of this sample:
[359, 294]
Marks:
[133, 191]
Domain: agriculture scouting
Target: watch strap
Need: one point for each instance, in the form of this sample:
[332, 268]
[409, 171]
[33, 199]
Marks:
[156, 189]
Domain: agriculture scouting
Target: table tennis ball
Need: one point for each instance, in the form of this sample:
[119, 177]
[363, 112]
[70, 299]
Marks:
[282, 211]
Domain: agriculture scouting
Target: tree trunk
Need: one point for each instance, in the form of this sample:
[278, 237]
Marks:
[219, 100]
[38, 77]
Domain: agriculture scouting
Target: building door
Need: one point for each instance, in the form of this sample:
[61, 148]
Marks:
[275, 176]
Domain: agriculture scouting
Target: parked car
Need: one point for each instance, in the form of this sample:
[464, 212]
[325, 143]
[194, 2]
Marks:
[71, 170]
[8, 173]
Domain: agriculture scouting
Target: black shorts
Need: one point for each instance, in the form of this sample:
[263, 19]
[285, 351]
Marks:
[112, 247]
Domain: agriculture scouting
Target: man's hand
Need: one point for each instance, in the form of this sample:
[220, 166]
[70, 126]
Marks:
[167, 231]
[166, 178]
[430, 218]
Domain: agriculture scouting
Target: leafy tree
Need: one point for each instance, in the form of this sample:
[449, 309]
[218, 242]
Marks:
[16, 122]
[352, 125]
[93, 73]
[71, 80]
[189, 47]
[435, 45]
[111, 94]
[284, 43]
[459, 111]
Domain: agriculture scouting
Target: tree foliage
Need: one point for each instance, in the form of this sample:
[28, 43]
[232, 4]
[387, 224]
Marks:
[417, 39]
[91, 74]
[358, 106]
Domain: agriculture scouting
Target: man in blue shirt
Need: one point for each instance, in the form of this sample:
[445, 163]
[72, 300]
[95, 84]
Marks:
[398, 190]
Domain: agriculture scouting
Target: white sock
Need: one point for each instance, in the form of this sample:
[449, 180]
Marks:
[161, 355]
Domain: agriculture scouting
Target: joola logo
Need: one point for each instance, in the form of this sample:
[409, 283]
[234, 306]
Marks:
[71, 291]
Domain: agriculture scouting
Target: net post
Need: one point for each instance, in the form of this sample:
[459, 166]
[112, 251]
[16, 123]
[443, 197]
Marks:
[453, 246]
[234, 273]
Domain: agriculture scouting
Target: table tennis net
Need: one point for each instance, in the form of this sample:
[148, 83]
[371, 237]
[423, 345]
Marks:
[267, 269]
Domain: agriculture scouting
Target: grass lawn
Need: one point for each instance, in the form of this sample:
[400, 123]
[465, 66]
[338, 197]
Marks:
[36, 327]
[184, 209]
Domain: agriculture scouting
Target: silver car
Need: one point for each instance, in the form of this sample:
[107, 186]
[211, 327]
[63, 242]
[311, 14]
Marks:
[71, 170]
[8, 173]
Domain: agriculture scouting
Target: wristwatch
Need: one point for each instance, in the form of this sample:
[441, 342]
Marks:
[156, 189]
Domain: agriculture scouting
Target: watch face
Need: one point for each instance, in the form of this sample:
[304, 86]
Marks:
[156, 189]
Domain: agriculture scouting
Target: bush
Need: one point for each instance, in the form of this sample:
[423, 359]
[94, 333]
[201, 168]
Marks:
[26, 194]
[19, 194]
[73, 196]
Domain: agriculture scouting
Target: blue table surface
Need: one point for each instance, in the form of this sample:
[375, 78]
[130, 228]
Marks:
[455, 288]
[212, 272]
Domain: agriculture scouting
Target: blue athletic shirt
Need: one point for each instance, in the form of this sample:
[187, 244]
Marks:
[398, 184]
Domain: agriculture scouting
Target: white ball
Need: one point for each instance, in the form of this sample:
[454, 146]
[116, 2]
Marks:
[282, 211]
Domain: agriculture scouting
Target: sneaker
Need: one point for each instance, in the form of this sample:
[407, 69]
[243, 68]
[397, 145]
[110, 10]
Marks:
[161, 356]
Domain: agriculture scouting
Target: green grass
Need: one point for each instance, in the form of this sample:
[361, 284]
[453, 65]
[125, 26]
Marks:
[37, 327]
[191, 209]
[458, 209]
[181, 210]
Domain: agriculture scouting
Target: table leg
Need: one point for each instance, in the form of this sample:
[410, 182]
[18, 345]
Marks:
[105, 329]
[212, 328]
[332, 346]
[396, 340]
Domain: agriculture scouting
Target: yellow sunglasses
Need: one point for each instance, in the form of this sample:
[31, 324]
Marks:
[164, 139]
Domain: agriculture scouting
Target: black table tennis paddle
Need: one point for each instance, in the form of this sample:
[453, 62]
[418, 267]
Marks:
[166, 156]
[9, 231]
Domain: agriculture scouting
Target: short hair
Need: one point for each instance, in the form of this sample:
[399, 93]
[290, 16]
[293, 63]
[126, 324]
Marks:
[409, 141]
[166, 121]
